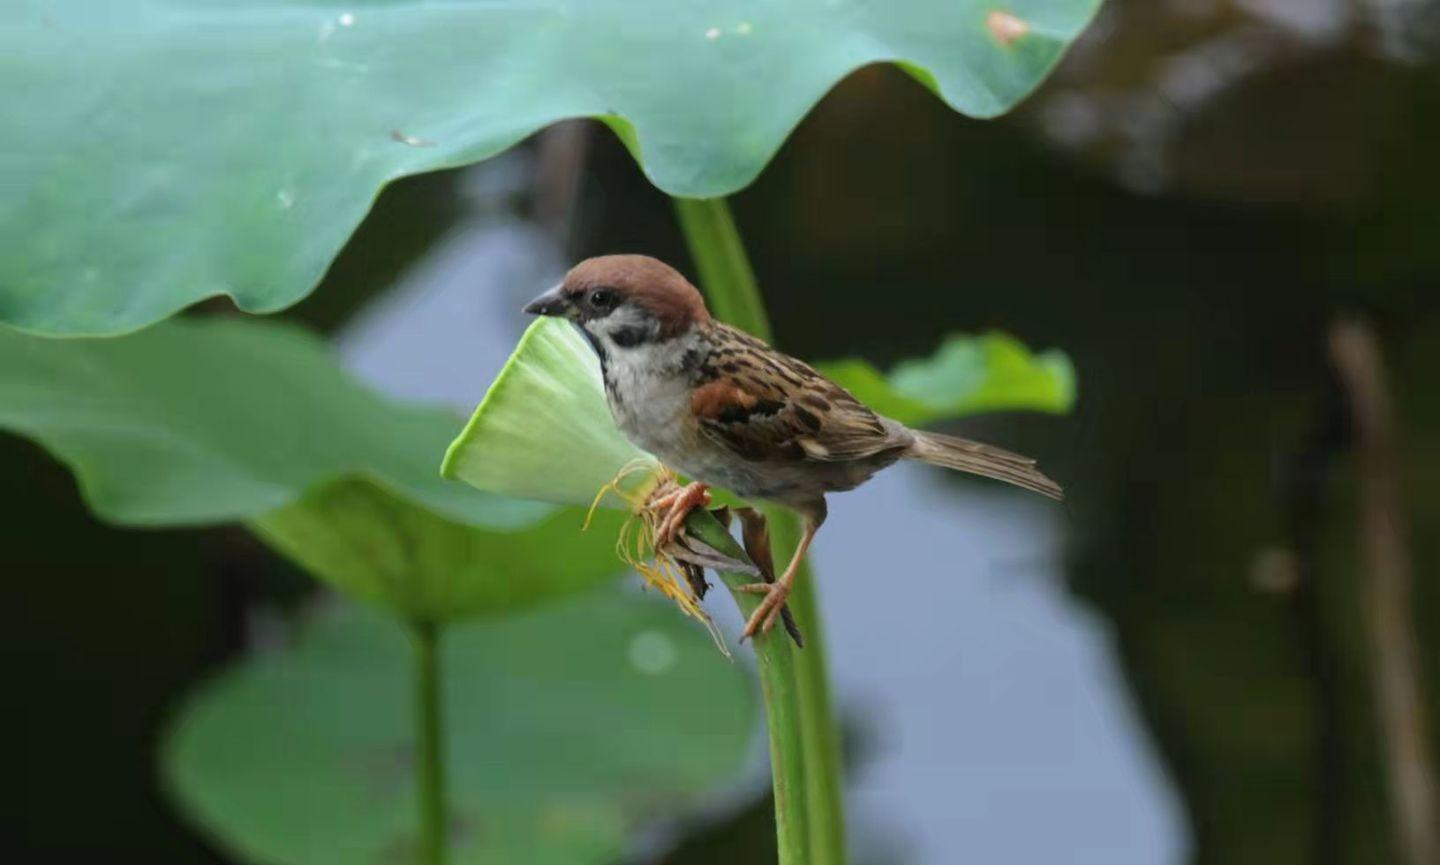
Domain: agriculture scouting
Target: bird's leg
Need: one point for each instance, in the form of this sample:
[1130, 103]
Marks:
[755, 533]
[776, 593]
[674, 505]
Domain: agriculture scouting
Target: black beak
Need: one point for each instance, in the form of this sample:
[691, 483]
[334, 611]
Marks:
[552, 302]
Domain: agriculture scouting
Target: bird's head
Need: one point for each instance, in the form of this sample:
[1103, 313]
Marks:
[624, 301]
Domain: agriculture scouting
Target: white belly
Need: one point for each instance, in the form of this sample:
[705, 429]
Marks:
[650, 408]
[654, 421]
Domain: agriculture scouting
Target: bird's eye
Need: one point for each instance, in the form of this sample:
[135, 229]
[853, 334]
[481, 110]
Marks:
[602, 298]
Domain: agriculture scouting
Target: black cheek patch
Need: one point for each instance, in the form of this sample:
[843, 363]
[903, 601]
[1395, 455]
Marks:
[627, 337]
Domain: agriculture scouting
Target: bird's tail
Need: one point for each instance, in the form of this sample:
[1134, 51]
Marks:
[980, 459]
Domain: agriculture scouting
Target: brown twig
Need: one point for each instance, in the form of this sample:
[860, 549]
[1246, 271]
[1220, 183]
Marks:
[1385, 541]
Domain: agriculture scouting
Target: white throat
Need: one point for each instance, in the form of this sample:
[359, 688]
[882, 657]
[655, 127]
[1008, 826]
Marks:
[648, 387]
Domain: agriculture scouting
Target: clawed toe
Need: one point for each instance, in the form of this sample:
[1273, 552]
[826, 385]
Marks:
[676, 505]
[763, 619]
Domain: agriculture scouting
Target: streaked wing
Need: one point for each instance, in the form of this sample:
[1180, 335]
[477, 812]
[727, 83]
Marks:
[767, 406]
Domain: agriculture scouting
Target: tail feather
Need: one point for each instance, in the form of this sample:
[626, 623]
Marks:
[981, 459]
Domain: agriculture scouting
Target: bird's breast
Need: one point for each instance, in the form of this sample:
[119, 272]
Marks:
[650, 403]
[649, 390]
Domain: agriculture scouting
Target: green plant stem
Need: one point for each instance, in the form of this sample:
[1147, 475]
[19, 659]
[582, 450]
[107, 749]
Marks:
[724, 268]
[734, 296]
[430, 744]
[775, 657]
[824, 774]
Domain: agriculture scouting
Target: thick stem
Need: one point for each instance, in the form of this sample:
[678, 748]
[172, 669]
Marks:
[429, 745]
[819, 732]
[729, 284]
[775, 657]
[724, 268]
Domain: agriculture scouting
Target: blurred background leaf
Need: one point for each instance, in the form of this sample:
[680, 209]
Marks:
[965, 376]
[380, 547]
[240, 144]
[197, 422]
[570, 727]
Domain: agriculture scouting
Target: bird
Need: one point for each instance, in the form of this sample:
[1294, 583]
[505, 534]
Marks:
[725, 409]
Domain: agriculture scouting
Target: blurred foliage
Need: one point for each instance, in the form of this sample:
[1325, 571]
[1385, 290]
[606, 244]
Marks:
[108, 626]
[571, 727]
[384, 549]
[196, 422]
[197, 185]
[1265, 102]
[965, 376]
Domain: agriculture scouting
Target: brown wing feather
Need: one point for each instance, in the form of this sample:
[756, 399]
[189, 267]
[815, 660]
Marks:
[767, 406]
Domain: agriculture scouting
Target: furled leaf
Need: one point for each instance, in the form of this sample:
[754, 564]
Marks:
[162, 151]
[570, 727]
[967, 375]
[543, 430]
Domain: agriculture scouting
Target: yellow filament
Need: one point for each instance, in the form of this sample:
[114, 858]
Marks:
[635, 543]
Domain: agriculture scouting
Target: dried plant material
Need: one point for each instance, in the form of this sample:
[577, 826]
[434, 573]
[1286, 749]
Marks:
[1389, 587]
[668, 568]
[691, 550]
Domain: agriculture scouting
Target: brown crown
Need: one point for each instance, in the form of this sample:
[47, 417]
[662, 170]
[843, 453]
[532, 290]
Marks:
[647, 282]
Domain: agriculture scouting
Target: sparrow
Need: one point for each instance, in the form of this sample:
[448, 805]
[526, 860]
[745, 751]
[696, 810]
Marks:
[725, 409]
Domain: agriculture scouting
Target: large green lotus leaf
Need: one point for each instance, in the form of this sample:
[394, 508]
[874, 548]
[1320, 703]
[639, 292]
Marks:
[380, 547]
[196, 422]
[543, 430]
[965, 376]
[157, 152]
[569, 727]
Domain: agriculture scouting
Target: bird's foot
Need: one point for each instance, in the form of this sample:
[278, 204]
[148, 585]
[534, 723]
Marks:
[771, 608]
[671, 504]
